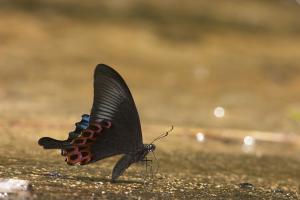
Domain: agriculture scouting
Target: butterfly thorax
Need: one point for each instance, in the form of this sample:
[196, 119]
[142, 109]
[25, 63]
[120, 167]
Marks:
[141, 154]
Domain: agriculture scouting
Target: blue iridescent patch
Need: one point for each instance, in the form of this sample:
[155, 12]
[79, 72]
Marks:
[80, 126]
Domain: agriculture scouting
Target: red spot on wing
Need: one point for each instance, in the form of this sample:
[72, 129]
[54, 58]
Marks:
[80, 152]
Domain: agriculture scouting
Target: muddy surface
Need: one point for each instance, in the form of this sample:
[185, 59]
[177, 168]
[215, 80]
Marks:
[215, 168]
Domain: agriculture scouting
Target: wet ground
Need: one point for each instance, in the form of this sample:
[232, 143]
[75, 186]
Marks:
[218, 167]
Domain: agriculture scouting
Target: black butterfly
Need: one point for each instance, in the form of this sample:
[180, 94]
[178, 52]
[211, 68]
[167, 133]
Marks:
[113, 127]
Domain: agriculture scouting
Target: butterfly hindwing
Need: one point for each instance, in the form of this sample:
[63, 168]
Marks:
[50, 143]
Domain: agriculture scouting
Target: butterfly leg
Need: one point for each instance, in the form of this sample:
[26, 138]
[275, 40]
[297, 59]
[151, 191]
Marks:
[151, 168]
[146, 161]
[146, 167]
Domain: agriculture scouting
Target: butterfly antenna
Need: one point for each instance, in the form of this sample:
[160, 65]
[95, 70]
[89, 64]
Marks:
[163, 135]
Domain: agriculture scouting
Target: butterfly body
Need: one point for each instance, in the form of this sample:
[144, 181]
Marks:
[112, 128]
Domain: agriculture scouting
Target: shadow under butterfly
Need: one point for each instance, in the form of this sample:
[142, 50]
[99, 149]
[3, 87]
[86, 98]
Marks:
[112, 128]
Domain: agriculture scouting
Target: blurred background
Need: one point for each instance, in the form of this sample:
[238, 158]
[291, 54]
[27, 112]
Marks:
[221, 69]
[181, 60]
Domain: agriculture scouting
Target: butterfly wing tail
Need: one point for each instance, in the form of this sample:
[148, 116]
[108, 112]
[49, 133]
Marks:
[50, 143]
[123, 163]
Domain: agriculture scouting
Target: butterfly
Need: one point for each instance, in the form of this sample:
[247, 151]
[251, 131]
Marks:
[112, 128]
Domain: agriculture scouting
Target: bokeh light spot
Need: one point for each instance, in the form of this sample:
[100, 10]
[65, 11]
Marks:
[249, 140]
[219, 112]
[200, 137]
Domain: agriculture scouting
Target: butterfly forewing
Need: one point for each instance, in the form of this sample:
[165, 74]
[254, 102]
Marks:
[113, 102]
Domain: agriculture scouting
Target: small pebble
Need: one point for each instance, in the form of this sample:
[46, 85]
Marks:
[53, 174]
[3, 195]
[277, 190]
[246, 186]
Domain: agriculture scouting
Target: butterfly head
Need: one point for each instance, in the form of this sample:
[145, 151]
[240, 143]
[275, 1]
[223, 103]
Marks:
[150, 147]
